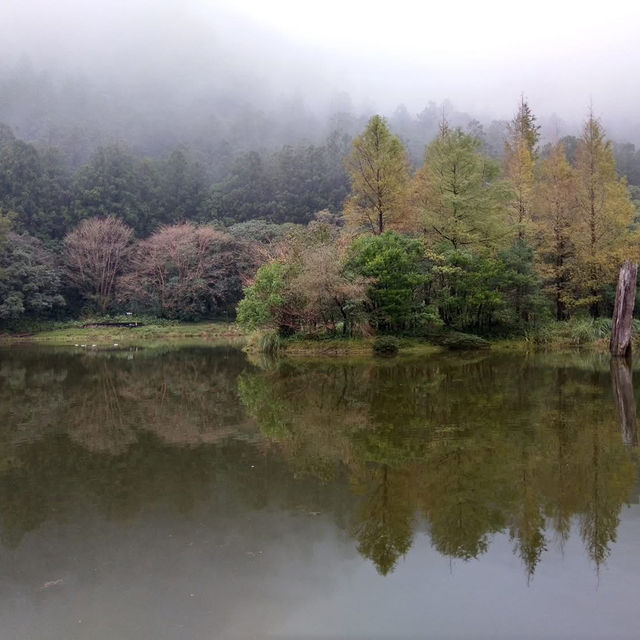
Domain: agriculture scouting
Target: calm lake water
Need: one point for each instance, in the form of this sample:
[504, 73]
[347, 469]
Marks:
[196, 494]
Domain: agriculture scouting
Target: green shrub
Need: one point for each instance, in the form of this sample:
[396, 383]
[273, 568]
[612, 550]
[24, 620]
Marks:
[386, 345]
[263, 298]
[397, 269]
[465, 342]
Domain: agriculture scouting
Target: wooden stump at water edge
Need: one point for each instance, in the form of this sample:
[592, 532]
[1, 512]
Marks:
[620, 344]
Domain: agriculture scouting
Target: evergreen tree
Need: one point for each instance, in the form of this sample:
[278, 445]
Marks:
[30, 279]
[523, 127]
[397, 270]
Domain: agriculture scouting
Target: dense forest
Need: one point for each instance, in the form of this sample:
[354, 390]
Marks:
[386, 225]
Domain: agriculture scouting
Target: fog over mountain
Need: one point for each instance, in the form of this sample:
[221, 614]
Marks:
[156, 73]
[508, 146]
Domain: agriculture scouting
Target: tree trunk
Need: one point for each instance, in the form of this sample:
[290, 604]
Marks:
[622, 383]
[620, 345]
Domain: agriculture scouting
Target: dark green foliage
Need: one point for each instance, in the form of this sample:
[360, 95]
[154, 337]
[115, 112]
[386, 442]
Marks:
[30, 282]
[399, 271]
[36, 187]
[386, 345]
[115, 183]
[142, 192]
[488, 294]
[457, 341]
[183, 189]
[627, 161]
[49, 199]
[290, 185]
[247, 193]
[20, 172]
[260, 231]
[520, 286]
[55, 213]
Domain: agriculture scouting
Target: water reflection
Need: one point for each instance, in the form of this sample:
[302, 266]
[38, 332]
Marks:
[472, 446]
[621, 379]
[462, 448]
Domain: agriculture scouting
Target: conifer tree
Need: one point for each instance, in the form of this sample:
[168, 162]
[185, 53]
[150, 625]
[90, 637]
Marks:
[523, 127]
[379, 173]
[519, 161]
[459, 197]
[556, 212]
[606, 212]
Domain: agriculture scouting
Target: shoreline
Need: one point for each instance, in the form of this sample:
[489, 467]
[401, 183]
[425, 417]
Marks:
[146, 334]
[162, 333]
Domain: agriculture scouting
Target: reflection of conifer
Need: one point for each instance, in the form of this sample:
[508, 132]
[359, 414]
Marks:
[560, 477]
[600, 519]
[528, 530]
[541, 443]
[384, 522]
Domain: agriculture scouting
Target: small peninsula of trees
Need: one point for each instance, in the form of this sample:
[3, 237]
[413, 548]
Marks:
[465, 243]
[347, 238]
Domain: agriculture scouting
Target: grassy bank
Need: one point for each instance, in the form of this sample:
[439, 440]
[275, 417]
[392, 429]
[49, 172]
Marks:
[87, 333]
[579, 334]
[586, 334]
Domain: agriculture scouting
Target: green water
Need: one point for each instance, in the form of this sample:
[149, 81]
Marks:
[196, 494]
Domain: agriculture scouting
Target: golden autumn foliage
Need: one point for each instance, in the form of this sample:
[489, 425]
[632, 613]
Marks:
[519, 165]
[379, 173]
[602, 235]
[556, 213]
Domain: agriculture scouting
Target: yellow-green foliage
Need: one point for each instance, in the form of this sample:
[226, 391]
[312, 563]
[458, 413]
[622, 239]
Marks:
[459, 197]
[379, 173]
[605, 212]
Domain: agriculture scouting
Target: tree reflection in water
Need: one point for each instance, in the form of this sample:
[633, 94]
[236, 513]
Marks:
[465, 447]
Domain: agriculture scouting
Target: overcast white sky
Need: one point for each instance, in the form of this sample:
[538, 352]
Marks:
[481, 55]
[423, 29]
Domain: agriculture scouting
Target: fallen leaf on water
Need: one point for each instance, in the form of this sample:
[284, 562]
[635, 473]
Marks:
[52, 583]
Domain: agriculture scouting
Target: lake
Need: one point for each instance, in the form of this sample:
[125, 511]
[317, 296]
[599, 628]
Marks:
[196, 493]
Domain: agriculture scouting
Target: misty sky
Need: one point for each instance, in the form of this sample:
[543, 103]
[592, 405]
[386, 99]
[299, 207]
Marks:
[480, 55]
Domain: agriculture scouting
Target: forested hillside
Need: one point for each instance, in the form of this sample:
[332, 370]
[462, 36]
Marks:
[403, 224]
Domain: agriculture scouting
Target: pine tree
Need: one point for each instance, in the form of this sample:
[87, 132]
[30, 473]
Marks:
[379, 173]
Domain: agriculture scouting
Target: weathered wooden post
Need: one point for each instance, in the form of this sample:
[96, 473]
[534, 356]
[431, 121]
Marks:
[620, 344]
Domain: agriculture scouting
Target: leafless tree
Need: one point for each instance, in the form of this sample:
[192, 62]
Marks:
[95, 253]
